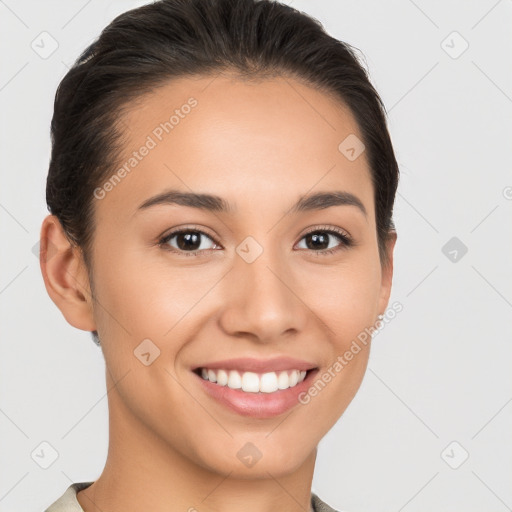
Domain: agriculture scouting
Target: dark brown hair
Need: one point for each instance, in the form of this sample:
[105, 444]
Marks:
[146, 47]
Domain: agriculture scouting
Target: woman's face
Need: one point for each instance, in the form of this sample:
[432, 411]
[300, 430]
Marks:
[264, 280]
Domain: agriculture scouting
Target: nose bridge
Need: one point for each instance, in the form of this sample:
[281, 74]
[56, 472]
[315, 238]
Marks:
[261, 299]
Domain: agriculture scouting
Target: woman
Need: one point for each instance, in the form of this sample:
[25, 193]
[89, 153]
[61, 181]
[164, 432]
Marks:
[221, 189]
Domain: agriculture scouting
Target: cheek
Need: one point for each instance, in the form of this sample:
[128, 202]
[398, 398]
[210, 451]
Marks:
[345, 297]
[346, 303]
[145, 298]
[142, 315]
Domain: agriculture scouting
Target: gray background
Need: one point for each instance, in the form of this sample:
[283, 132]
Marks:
[438, 387]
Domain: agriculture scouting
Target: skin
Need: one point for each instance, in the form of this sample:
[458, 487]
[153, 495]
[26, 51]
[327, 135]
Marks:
[259, 145]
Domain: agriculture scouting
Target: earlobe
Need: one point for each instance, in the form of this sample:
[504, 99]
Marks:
[65, 275]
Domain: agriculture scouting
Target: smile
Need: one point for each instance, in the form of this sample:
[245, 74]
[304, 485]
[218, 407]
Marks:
[252, 382]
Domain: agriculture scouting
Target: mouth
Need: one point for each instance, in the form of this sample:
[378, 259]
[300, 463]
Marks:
[253, 382]
[254, 388]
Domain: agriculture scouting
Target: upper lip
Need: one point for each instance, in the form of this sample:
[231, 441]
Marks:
[247, 364]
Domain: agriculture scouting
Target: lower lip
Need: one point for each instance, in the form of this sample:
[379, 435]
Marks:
[257, 405]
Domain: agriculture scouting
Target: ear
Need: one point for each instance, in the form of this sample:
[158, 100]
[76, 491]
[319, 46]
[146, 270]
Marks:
[65, 275]
[387, 273]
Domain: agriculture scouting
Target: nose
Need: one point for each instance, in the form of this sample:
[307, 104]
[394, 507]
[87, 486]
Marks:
[262, 300]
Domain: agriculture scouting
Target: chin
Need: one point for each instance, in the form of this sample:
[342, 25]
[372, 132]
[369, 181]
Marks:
[247, 462]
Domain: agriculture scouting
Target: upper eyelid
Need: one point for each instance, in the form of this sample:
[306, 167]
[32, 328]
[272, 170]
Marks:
[187, 229]
[335, 229]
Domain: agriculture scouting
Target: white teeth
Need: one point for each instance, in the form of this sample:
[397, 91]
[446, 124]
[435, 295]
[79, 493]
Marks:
[222, 377]
[252, 382]
[283, 381]
[234, 381]
[268, 383]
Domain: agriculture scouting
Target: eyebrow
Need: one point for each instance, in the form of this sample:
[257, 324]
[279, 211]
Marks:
[213, 203]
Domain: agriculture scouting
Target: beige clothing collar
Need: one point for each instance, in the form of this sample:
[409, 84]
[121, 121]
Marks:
[68, 502]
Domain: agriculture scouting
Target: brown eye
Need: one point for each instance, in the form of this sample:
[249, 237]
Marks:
[187, 240]
[320, 240]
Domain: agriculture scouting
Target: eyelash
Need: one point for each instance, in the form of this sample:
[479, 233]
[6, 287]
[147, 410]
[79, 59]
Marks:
[346, 240]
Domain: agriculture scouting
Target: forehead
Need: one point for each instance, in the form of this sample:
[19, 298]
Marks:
[239, 139]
